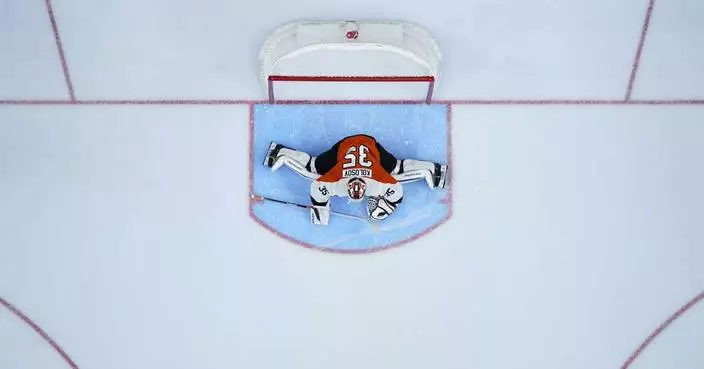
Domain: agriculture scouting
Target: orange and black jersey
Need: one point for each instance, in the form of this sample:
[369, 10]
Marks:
[356, 156]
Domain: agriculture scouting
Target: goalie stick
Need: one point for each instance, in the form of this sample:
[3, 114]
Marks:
[337, 213]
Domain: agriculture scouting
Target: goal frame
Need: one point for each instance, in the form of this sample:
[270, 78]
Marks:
[272, 79]
[400, 55]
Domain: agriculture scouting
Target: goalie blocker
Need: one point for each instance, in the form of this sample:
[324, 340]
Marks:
[356, 167]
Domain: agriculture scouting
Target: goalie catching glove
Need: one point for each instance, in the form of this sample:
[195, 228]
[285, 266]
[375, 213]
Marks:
[380, 208]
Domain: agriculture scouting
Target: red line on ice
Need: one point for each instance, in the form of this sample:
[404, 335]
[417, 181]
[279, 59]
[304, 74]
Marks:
[37, 329]
[49, 102]
[60, 48]
[639, 50]
[450, 170]
[661, 328]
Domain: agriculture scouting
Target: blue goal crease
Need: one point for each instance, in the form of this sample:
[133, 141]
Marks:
[407, 131]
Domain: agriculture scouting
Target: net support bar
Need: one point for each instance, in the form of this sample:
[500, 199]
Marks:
[304, 79]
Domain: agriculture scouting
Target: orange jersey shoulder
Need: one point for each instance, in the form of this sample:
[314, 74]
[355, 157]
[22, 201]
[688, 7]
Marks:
[358, 156]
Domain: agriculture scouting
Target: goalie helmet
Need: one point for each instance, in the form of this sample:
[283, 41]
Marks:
[356, 187]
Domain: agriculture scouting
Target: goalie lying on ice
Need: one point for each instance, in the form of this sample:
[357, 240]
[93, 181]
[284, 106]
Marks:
[356, 167]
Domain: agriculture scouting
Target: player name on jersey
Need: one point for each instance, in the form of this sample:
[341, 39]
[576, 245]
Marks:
[357, 172]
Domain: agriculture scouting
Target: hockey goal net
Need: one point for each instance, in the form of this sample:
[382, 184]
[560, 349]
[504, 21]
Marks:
[346, 60]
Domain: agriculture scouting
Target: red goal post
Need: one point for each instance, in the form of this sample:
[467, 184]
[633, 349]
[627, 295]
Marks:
[349, 60]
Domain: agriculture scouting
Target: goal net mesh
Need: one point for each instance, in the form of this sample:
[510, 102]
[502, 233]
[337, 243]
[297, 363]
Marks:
[348, 60]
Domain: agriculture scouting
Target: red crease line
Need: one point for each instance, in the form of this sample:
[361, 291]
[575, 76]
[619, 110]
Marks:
[352, 102]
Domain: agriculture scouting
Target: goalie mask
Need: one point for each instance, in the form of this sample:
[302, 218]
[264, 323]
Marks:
[356, 188]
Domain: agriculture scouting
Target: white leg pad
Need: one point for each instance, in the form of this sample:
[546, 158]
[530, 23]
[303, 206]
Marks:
[298, 156]
[415, 170]
[294, 165]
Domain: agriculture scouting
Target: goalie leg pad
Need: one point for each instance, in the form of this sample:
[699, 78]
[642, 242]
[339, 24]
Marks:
[277, 151]
[299, 156]
[319, 215]
[410, 170]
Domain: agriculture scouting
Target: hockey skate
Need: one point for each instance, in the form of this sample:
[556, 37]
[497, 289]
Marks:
[440, 175]
[272, 154]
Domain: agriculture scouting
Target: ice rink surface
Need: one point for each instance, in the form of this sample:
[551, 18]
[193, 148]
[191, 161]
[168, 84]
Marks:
[575, 240]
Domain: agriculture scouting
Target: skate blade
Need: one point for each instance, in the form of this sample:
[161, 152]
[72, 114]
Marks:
[269, 160]
[443, 176]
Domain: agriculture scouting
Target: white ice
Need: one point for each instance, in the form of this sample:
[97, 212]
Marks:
[124, 230]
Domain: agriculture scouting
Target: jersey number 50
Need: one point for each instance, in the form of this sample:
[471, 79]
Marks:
[355, 156]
